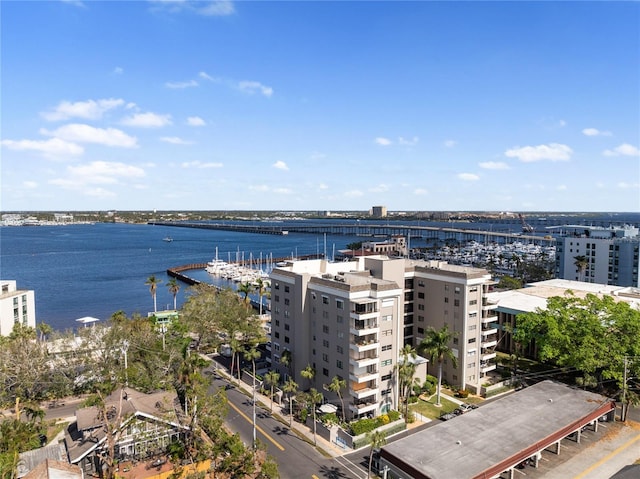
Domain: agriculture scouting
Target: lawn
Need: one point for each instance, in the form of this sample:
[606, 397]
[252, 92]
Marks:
[428, 408]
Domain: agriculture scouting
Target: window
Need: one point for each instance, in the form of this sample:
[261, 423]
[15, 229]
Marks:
[339, 304]
[446, 300]
[420, 330]
[286, 339]
[276, 298]
[421, 307]
[339, 364]
[325, 343]
[456, 302]
[420, 319]
[286, 326]
[286, 289]
[471, 365]
[325, 329]
[287, 314]
[471, 340]
[385, 392]
[473, 302]
[276, 285]
[387, 332]
[277, 334]
[325, 372]
[325, 314]
[420, 282]
[325, 299]
[340, 349]
[340, 334]
[457, 290]
[473, 327]
[286, 301]
[325, 357]
[387, 347]
[386, 377]
[455, 340]
[313, 295]
[277, 322]
[339, 319]
[387, 317]
[420, 295]
[386, 362]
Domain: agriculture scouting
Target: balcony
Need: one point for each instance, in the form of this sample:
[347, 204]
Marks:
[363, 375]
[363, 390]
[489, 341]
[489, 317]
[485, 368]
[486, 355]
[361, 344]
[489, 304]
[489, 331]
[363, 360]
[363, 407]
[364, 327]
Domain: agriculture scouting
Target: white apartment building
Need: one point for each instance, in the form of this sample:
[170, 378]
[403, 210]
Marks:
[16, 306]
[611, 253]
[352, 319]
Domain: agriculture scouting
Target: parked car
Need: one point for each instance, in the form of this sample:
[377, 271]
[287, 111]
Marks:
[464, 407]
[447, 416]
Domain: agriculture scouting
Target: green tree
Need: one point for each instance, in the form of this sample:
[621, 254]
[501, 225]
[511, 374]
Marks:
[174, 288]
[272, 378]
[335, 386]
[290, 387]
[153, 283]
[406, 371]
[436, 346]
[44, 330]
[572, 332]
[314, 397]
[261, 289]
[245, 289]
[376, 440]
[308, 373]
[581, 262]
[507, 282]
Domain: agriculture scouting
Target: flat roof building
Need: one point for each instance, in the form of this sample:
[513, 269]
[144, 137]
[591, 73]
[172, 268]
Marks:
[17, 306]
[496, 437]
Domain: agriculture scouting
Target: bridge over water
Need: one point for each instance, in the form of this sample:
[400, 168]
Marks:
[371, 230]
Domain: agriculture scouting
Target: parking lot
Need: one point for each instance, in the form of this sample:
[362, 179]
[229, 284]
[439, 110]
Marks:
[599, 455]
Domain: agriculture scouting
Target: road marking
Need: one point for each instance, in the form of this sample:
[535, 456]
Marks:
[340, 459]
[258, 428]
[607, 457]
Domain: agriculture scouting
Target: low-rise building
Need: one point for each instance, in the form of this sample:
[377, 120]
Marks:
[17, 306]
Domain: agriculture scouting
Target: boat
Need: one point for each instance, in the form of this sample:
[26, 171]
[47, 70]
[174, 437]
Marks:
[168, 239]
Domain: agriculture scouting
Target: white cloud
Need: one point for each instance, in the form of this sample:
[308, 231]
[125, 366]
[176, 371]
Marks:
[199, 164]
[595, 132]
[97, 173]
[216, 8]
[552, 151]
[353, 193]
[206, 76]
[494, 165]
[468, 176]
[252, 87]
[89, 110]
[181, 85]
[88, 134]
[260, 188]
[195, 121]
[561, 187]
[420, 191]
[316, 155]
[450, 143]
[408, 142]
[55, 147]
[622, 150]
[280, 165]
[623, 185]
[147, 120]
[381, 188]
[174, 140]
[29, 184]
[382, 141]
[282, 191]
[323, 186]
[118, 71]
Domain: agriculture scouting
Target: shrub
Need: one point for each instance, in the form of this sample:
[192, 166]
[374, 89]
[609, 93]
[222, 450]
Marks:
[431, 379]
[363, 426]
[463, 393]
[330, 418]
[384, 418]
[394, 415]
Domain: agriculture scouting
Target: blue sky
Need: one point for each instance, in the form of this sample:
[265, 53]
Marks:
[418, 106]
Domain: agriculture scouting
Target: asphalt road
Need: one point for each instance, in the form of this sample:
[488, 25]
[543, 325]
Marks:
[296, 458]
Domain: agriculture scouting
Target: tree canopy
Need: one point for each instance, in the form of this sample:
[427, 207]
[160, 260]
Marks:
[591, 334]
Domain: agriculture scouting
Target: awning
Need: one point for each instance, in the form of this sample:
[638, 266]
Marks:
[328, 408]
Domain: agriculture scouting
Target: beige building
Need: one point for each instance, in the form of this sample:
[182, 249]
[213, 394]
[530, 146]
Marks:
[17, 306]
[379, 211]
[352, 319]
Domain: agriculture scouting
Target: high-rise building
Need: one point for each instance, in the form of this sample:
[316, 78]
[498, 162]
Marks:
[599, 255]
[16, 307]
[352, 320]
[379, 211]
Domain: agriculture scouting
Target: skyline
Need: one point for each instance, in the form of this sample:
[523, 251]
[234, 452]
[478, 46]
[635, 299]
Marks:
[180, 105]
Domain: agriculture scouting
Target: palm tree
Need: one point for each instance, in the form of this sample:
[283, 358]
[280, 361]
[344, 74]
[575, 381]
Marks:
[314, 397]
[245, 289]
[251, 355]
[436, 346]
[174, 287]
[44, 330]
[581, 262]
[261, 288]
[153, 283]
[286, 359]
[308, 373]
[406, 371]
[336, 384]
[376, 440]
[290, 387]
[272, 378]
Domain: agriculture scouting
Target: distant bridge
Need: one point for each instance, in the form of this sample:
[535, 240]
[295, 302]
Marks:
[370, 230]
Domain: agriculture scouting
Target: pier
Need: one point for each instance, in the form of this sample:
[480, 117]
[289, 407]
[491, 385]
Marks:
[412, 232]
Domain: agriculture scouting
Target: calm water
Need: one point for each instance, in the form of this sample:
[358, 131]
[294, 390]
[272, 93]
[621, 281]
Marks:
[96, 270]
